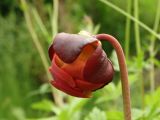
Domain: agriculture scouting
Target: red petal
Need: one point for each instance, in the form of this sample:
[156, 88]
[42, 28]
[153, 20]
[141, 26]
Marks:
[94, 62]
[51, 52]
[71, 91]
[75, 69]
[69, 46]
[98, 68]
[60, 74]
[87, 86]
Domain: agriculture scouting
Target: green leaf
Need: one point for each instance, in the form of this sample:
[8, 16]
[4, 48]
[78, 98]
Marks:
[111, 91]
[137, 114]
[46, 105]
[114, 60]
[96, 29]
[96, 114]
[47, 118]
[76, 105]
[18, 113]
[153, 104]
[44, 88]
[114, 115]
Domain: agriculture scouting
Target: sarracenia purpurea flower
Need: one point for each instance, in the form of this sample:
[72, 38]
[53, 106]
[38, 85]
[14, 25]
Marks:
[79, 64]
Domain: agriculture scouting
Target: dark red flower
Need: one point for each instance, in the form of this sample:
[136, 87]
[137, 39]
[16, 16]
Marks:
[79, 64]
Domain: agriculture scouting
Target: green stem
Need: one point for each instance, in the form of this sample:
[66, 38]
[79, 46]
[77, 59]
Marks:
[136, 26]
[142, 88]
[152, 54]
[35, 37]
[58, 99]
[123, 71]
[41, 25]
[54, 24]
[127, 30]
[55, 18]
[138, 48]
[131, 17]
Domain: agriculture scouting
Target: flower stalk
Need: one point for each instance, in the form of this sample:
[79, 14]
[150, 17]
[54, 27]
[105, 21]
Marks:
[123, 72]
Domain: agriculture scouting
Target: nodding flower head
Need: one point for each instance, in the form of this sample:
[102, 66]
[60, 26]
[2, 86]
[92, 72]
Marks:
[79, 64]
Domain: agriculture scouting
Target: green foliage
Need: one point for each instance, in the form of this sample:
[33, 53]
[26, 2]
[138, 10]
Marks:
[96, 114]
[45, 105]
[18, 64]
[23, 93]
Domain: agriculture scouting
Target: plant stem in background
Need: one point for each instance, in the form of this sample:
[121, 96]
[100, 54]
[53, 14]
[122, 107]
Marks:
[55, 18]
[136, 27]
[41, 25]
[138, 42]
[127, 29]
[54, 23]
[40, 7]
[152, 45]
[36, 41]
[139, 49]
[35, 37]
[123, 71]
[131, 17]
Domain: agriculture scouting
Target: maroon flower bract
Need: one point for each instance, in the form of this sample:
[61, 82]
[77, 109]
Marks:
[79, 64]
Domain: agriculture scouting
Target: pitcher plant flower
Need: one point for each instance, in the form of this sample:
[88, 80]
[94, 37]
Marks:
[80, 65]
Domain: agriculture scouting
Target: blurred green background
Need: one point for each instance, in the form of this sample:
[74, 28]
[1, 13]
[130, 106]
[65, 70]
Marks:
[26, 30]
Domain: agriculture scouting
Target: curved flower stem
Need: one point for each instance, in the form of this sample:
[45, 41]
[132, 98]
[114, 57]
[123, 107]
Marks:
[123, 72]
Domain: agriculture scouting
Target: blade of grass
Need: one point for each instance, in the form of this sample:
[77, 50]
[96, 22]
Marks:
[139, 49]
[131, 17]
[127, 29]
[151, 51]
[57, 98]
[41, 25]
[136, 27]
[35, 37]
[55, 18]
[54, 23]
